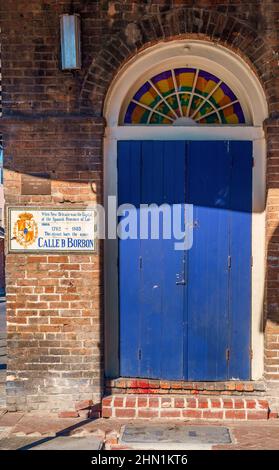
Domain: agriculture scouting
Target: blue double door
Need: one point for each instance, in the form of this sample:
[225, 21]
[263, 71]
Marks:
[185, 314]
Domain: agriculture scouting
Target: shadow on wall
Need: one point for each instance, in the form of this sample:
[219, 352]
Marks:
[272, 280]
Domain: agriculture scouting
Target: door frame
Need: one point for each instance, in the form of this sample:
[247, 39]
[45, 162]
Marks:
[230, 66]
[255, 134]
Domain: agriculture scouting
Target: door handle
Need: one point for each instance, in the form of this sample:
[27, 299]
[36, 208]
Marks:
[182, 282]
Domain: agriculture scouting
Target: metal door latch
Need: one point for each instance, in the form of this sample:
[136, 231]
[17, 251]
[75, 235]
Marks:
[181, 282]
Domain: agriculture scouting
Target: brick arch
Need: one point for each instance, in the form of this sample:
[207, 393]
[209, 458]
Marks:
[184, 23]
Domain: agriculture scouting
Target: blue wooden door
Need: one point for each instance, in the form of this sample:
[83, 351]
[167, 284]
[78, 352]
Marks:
[186, 315]
[219, 185]
[208, 185]
[240, 228]
[151, 301]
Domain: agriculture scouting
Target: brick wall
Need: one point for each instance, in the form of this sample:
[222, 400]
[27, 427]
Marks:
[2, 265]
[52, 122]
[54, 301]
[272, 276]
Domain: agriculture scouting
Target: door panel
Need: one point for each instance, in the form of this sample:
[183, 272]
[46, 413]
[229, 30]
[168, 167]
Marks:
[200, 329]
[158, 348]
[207, 303]
[240, 249]
[173, 290]
[129, 162]
[151, 288]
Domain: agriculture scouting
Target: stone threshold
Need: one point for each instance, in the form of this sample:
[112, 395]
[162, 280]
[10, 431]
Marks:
[137, 386]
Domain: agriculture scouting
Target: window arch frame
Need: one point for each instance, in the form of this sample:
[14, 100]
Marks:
[212, 57]
[244, 82]
[172, 114]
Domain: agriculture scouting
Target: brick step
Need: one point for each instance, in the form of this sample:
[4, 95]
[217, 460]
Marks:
[184, 407]
[178, 387]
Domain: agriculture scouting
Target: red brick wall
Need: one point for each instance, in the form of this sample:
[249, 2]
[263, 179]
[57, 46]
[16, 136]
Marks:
[2, 266]
[272, 241]
[54, 301]
[53, 123]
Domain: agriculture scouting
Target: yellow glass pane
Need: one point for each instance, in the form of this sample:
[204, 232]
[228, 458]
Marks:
[185, 80]
[205, 86]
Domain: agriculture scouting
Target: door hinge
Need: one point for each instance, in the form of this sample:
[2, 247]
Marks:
[140, 262]
[253, 161]
[251, 353]
[252, 261]
[227, 354]
[229, 261]
[139, 354]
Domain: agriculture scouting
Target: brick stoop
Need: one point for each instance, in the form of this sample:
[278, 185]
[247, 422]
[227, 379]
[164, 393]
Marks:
[184, 407]
[159, 387]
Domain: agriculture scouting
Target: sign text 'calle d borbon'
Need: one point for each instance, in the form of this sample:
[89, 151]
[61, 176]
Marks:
[32, 229]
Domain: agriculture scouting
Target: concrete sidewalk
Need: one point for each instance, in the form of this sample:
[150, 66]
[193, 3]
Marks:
[18, 430]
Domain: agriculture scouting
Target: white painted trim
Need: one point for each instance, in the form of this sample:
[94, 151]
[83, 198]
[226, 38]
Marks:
[185, 133]
[258, 254]
[255, 105]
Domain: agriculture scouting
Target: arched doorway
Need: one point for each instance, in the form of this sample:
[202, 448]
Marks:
[202, 96]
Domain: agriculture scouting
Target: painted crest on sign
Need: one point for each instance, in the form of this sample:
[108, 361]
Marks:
[25, 229]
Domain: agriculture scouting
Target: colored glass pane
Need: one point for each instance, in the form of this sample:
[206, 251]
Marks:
[184, 92]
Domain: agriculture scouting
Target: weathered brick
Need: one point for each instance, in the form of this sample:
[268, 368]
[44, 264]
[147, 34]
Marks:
[238, 403]
[227, 403]
[179, 402]
[215, 403]
[192, 414]
[235, 414]
[142, 402]
[130, 402]
[170, 413]
[250, 403]
[125, 413]
[191, 402]
[153, 402]
[256, 414]
[106, 412]
[202, 403]
[145, 413]
[210, 414]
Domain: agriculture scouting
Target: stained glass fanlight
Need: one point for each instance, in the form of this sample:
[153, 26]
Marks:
[184, 96]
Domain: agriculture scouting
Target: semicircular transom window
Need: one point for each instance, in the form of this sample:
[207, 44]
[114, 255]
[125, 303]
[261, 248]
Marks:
[184, 96]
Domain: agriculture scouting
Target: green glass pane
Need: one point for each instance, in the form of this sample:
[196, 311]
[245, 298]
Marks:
[157, 119]
[212, 119]
[173, 102]
[184, 100]
[144, 117]
[206, 108]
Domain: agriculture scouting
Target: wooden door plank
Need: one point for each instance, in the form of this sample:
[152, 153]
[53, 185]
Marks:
[207, 288]
[129, 162]
[240, 251]
[173, 340]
